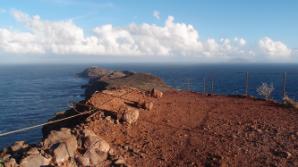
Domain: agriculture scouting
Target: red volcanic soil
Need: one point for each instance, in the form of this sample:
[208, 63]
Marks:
[191, 129]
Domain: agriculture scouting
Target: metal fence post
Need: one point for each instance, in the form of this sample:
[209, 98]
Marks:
[189, 85]
[204, 85]
[284, 83]
[246, 84]
[212, 86]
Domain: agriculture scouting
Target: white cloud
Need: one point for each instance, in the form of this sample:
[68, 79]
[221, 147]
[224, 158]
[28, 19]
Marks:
[66, 38]
[273, 48]
[241, 41]
[156, 14]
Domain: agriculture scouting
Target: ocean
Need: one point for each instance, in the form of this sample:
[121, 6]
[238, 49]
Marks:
[32, 94]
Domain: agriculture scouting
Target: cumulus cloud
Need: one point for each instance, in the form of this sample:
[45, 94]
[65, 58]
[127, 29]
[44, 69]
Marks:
[241, 41]
[156, 14]
[66, 38]
[273, 48]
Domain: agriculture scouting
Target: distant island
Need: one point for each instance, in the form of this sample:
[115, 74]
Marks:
[136, 119]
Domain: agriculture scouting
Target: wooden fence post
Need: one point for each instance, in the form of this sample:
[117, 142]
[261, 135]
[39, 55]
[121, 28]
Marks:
[284, 83]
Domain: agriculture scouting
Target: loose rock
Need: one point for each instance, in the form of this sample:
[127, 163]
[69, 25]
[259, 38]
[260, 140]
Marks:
[62, 144]
[96, 149]
[35, 160]
[148, 106]
[10, 163]
[61, 153]
[58, 137]
[130, 115]
[18, 146]
[156, 93]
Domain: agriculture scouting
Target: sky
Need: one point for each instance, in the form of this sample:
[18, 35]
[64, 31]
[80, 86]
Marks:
[201, 31]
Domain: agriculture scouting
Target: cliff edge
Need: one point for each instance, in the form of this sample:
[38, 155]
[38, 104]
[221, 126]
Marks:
[129, 126]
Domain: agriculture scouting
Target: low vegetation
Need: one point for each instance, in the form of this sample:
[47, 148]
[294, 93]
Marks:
[265, 90]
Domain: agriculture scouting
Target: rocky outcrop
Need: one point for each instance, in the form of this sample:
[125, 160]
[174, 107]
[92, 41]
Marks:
[99, 72]
[119, 97]
[68, 145]
[94, 72]
[106, 79]
[63, 148]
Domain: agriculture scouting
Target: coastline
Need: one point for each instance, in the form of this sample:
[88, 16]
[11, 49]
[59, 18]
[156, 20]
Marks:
[102, 127]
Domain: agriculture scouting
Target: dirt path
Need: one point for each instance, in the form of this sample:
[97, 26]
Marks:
[189, 129]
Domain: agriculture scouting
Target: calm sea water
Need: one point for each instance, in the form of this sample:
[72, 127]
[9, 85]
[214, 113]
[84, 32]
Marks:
[31, 94]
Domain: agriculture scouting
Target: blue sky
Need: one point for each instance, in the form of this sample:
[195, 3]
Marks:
[272, 23]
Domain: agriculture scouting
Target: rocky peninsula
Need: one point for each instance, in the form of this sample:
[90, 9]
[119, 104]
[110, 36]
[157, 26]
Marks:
[135, 119]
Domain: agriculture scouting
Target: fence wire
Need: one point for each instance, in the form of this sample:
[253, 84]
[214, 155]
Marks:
[241, 83]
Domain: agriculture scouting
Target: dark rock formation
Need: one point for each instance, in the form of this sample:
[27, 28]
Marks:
[94, 72]
[120, 79]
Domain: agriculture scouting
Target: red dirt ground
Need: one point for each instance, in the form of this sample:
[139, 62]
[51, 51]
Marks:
[191, 129]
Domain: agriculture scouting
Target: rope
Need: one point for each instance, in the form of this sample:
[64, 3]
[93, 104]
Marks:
[60, 120]
[39, 125]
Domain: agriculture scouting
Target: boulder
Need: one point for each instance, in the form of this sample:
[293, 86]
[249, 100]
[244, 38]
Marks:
[83, 160]
[120, 161]
[95, 156]
[148, 106]
[70, 163]
[64, 135]
[61, 153]
[32, 151]
[18, 145]
[62, 144]
[156, 93]
[96, 150]
[56, 137]
[35, 160]
[10, 163]
[290, 102]
[5, 157]
[130, 115]
[92, 140]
